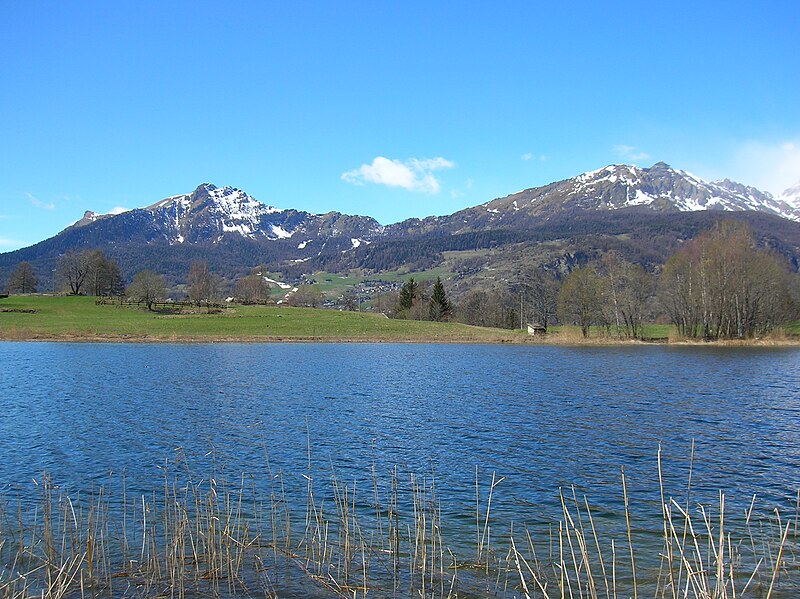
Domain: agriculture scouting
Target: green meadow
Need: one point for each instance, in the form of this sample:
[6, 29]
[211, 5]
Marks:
[79, 318]
[76, 318]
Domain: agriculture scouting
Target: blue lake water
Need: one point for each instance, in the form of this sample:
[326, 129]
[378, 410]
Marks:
[541, 417]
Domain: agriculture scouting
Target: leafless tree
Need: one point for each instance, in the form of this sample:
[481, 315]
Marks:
[73, 268]
[580, 299]
[252, 289]
[203, 284]
[22, 279]
[147, 287]
[721, 286]
[309, 296]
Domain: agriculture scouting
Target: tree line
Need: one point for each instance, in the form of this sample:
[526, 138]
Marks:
[717, 285]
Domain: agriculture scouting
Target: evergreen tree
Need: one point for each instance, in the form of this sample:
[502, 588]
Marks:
[439, 306]
[408, 294]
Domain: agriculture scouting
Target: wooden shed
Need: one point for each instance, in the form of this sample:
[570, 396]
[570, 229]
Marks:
[535, 329]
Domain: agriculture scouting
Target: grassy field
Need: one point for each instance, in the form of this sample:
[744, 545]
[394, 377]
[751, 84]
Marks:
[79, 318]
[334, 284]
[67, 317]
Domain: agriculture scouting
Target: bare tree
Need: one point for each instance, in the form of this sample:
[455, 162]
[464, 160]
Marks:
[721, 286]
[103, 276]
[252, 289]
[147, 287]
[203, 284]
[542, 292]
[626, 290]
[580, 299]
[350, 300]
[73, 267]
[309, 296]
[22, 279]
[489, 308]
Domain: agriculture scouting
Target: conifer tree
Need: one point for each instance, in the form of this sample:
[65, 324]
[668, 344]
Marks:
[439, 306]
[408, 294]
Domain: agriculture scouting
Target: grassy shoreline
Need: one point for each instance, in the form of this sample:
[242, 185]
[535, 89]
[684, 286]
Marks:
[79, 319]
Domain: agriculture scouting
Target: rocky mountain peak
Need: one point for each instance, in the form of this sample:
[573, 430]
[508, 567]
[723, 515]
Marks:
[88, 218]
[660, 188]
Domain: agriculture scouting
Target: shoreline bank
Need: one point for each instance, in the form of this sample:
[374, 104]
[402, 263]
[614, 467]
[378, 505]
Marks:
[512, 339]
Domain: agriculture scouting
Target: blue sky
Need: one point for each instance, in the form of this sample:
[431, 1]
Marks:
[388, 109]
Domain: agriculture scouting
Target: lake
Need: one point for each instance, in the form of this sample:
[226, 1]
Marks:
[540, 418]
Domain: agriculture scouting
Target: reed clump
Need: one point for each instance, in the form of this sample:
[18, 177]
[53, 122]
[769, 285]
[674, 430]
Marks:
[382, 538]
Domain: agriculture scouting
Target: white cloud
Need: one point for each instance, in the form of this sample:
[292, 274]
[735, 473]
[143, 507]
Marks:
[630, 152]
[527, 156]
[414, 174]
[40, 204]
[773, 167]
[118, 210]
[10, 242]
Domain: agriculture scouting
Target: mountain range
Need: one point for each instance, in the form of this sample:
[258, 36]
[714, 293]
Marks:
[645, 213]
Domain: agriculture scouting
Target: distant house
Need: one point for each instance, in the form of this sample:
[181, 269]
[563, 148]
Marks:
[535, 329]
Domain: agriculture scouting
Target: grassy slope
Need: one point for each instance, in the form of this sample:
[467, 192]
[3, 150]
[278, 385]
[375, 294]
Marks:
[80, 318]
[333, 284]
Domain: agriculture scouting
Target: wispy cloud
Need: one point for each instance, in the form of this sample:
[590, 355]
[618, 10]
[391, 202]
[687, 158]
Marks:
[118, 210]
[413, 174]
[772, 167]
[528, 156]
[39, 203]
[630, 152]
[4, 242]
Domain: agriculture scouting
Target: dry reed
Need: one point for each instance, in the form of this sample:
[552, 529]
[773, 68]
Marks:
[215, 538]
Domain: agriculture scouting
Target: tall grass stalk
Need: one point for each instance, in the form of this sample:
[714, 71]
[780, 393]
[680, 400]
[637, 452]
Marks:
[218, 538]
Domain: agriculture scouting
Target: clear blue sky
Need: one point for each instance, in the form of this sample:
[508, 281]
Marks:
[392, 109]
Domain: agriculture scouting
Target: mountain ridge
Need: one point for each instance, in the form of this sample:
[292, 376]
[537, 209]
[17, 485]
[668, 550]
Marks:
[234, 232]
[659, 187]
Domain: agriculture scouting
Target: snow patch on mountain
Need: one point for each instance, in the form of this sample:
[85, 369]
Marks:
[791, 197]
[280, 232]
[622, 186]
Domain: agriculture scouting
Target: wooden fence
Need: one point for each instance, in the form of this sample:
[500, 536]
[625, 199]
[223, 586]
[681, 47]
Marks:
[160, 305]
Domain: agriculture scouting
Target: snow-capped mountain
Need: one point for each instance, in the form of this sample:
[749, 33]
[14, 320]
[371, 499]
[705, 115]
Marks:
[659, 187]
[654, 208]
[791, 197]
[212, 214]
